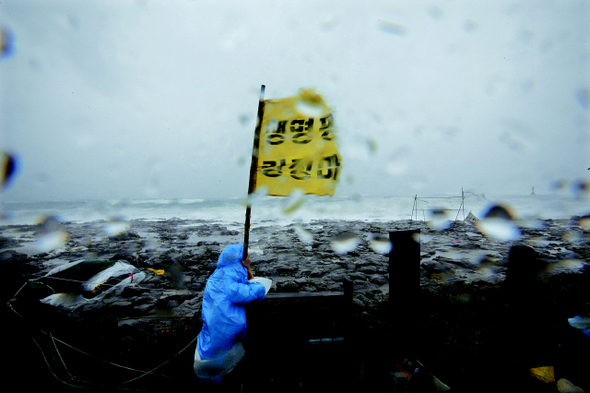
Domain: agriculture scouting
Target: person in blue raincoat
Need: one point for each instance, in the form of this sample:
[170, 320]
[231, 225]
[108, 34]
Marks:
[219, 348]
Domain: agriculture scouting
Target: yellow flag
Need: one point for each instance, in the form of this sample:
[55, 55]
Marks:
[297, 149]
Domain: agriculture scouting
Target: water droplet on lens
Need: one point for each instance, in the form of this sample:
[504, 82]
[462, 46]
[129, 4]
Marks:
[398, 161]
[244, 119]
[272, 126]
[486, 273]
[51, 241]
[396, 168]
[566, 266]
[470, 26]
[583, 98]
[310, 104]
[422, 238]
[309, 109]
[50, 234]
[580, 189]
[115, 226]
[48, 224]
[304, 235]
[439, 220]
[330, 23]
[8, 169]
[393, 28]
[498, 223]
[6, 43]
[372, 145]
[498, 211]
[584, 223]
[293, 201]
[380, 244]
[256, 197]
[573, 237]
[345, 243]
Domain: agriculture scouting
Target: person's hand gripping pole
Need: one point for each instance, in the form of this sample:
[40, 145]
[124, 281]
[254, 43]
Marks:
[246, 262]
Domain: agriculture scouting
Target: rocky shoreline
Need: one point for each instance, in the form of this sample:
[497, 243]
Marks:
[461, 270]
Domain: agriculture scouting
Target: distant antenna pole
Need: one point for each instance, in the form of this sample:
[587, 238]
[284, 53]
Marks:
[462, 205]
[253, 168]
[463, 202]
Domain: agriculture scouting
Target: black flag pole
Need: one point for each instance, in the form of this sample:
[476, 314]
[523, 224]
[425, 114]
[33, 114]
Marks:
[253, 168]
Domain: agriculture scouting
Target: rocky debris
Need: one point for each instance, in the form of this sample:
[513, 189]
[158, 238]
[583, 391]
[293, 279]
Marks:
[187, 252]
[458, 265]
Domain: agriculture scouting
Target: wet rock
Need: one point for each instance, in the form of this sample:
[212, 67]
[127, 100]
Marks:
[286, 285]
[188, 260]
[378, 279]
[370, 269]
[6, 242]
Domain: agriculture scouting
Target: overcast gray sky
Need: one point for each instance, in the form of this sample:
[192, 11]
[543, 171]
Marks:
[157, 99]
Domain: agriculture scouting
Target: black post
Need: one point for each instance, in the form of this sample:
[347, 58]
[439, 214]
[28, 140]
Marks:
[253, 168]
[404, 290]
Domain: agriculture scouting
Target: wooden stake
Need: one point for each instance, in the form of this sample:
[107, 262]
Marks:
[253, 168]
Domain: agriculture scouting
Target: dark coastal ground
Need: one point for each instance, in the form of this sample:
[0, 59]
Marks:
[463, 316]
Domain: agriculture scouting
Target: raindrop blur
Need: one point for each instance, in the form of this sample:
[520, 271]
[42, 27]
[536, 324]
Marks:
[484, 262]
[372, 145]
[418, 237]
[330, 23]
[580, 189]
[396, 168]
[310, 104]
[256, 197]
[393, 28]
[558, 185]
[498, 223]
[51, 241]
[50, 235]
[573, 237]
[498, 211]
[8, 170]
[513, 141]
[470, 26]
[583, 98]
[584, 223]
[309, 109]
[398, 161]
[244, 119]
[486, 273]
[6, 43]
[304, 235]
[566, 266]
[48, 224]
[380, 244]
[345, 243]
[115, 226]
[443, 277]
[435, 12]
[533, 223]
[439, 220]
[272, 126]
[293, 202]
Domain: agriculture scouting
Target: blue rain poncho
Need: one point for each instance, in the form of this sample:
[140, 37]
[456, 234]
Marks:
[224, 316]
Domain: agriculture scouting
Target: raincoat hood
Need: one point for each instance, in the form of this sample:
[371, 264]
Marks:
[230, 255]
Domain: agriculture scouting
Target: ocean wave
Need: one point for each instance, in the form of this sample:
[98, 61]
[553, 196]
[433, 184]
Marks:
[230, 210]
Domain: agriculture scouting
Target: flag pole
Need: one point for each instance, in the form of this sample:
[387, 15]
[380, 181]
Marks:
[253, 168]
